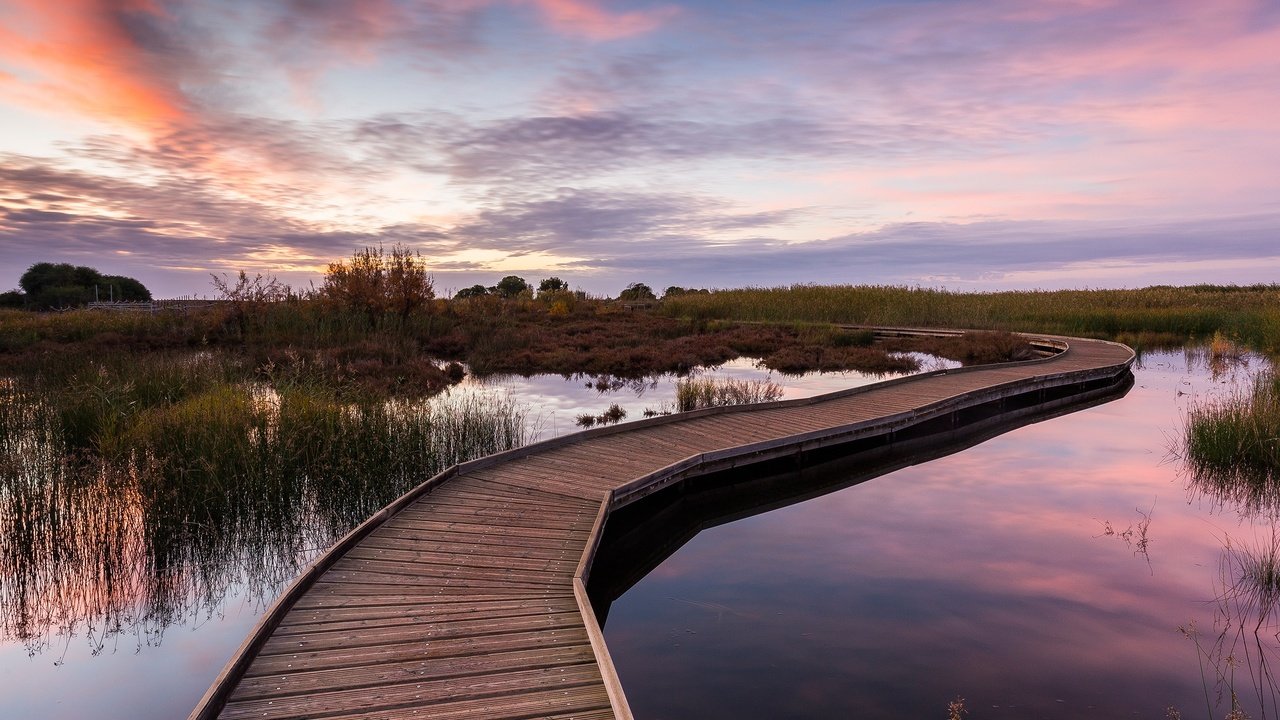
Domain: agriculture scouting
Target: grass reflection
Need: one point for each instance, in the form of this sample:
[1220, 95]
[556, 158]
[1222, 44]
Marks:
[135, 495]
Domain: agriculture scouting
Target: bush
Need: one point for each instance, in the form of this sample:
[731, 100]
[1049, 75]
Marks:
[377, 283]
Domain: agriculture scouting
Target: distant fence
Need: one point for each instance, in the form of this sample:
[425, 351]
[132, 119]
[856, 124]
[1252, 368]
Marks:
[170, 305]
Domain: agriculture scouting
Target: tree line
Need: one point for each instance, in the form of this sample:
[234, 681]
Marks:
[374, 280]
[54, 286]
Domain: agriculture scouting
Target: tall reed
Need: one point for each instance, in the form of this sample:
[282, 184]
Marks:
[1231, 446]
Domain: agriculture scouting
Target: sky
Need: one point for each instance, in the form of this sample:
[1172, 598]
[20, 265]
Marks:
[968, 144]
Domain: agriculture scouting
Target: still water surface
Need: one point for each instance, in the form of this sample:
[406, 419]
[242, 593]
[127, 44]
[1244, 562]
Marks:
[1042, 574]
[987, 574]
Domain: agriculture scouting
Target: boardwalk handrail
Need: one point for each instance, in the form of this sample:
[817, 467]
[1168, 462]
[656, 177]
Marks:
[213, 700]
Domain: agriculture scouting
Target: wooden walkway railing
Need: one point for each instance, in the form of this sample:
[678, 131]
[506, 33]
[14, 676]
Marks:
[466, 598]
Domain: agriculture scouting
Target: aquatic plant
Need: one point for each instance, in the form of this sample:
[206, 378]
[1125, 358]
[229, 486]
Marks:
[705, 392]
[613, 414]
[1231, 446]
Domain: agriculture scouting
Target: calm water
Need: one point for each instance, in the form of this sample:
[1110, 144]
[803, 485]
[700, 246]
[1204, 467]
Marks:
[136, 641]
[1013, 574]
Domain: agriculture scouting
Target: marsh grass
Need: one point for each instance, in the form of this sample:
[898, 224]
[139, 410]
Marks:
[129, 504]
[705, 392]
[1231, 446]
[1147, 318]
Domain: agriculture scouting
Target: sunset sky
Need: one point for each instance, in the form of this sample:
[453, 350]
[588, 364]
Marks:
[962, 143]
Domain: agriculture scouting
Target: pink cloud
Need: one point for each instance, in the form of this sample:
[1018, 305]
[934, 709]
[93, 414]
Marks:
[81, 59]
[588, 19]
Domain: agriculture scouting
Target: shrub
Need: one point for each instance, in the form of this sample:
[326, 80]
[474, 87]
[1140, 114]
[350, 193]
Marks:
[376, 282]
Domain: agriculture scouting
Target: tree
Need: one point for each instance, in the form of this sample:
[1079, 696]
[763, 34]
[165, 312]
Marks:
[56, 285]
[637, 292]
[377, 282]
[511, 286]
[126, 289]
[552, 284]
[473, 291]
[13, 299]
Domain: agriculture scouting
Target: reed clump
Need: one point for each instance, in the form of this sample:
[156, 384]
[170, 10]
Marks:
[707, 392]
[1231, 445]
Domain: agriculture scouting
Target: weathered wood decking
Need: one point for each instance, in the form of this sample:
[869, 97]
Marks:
[466, 598]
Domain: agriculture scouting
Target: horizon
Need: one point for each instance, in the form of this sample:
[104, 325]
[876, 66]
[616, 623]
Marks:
[959, 144]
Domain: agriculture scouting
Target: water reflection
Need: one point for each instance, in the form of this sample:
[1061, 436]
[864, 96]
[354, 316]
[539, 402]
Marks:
[982, 574]
[560, 401]
[1239, 654]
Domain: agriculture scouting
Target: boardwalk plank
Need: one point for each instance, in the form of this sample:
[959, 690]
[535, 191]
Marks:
[334, 639]
[351, 618]
[416, 693]
[417, 649]
[299, 683]
[549, 705]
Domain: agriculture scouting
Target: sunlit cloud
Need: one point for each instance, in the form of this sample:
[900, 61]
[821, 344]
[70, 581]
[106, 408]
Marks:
[94, 58]
[589, 19]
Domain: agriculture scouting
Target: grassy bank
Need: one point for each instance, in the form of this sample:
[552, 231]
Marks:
[1154, 316]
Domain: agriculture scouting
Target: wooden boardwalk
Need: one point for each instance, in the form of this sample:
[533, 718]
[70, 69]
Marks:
[466, 597]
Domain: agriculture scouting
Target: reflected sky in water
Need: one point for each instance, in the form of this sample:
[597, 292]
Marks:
[555, 401]
[987, 575]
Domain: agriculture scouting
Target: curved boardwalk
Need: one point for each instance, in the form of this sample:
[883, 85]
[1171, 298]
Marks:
[466, 597]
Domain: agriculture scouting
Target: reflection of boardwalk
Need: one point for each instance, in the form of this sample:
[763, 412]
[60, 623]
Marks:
[466, 598]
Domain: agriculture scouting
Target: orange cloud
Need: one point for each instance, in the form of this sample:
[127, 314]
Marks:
[78, 56]
[587, 18]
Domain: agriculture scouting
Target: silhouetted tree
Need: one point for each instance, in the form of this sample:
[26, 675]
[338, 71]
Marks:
[511, 286]
[552, 284]
[57, 285]
[125, 289]
[13, 299]
[637, 292]
[473, 291]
